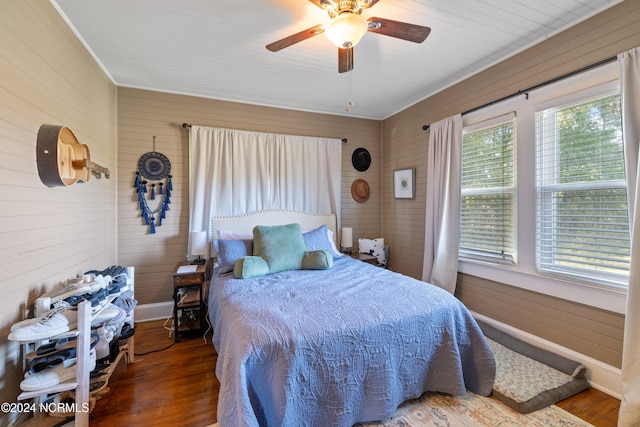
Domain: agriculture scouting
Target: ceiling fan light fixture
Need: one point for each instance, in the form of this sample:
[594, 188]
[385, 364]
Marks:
[346, 29]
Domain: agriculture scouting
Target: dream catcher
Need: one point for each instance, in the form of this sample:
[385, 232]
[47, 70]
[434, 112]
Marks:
[153, 182]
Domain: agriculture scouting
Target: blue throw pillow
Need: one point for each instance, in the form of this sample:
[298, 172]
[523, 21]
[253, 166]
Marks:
[318, 239]
[229, 251]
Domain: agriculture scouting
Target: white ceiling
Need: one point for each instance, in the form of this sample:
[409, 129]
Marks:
[216, 48]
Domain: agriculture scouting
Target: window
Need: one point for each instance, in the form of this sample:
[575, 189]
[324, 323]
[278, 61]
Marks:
[543, 199]
[582, 223]
[488, 190]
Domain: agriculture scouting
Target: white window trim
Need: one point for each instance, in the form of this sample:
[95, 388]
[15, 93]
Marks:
[524, 275]
[607, 299]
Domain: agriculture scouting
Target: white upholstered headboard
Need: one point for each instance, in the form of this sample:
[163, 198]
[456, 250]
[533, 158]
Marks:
[244, 223]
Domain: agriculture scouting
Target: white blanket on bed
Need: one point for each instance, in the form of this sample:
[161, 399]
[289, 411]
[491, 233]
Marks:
[339, 346]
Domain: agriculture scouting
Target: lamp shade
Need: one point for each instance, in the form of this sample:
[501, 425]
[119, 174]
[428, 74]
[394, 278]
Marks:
[347, 237]
[199, 245]
[346, 29]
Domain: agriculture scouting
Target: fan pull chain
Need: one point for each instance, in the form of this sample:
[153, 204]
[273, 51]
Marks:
[349, 97]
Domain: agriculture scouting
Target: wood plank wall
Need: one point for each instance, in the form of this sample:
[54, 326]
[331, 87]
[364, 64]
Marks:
[587, 330]
[142, 114]
[405, 144]
[48, 234]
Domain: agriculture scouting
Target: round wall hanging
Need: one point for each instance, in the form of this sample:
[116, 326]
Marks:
[360, 190]
[361, 159]
[153, 177]
[154, 166]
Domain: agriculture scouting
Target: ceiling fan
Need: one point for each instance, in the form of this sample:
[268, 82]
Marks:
[347, 27]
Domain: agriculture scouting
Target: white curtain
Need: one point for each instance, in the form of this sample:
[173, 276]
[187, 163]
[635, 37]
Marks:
[442, 226]
[234, 172]
[630, 93]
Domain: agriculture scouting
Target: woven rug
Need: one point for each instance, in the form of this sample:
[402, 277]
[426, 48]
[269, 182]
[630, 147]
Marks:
[438, 409]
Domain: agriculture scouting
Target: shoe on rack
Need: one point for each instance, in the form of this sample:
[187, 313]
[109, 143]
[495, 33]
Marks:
[118, 285]
[99, 370]
[97, 282]
[98, 299]
[112, 271]
[23, 323]
[55, 375]
[69, 288]
[39, 364]
[127, 332]
[55, 351]
[51, 323]
[110, 314]
[53, 346]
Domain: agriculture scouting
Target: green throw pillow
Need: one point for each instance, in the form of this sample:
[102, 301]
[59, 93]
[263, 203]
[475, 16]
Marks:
[250, 266]
[281, 246]
[317, 260]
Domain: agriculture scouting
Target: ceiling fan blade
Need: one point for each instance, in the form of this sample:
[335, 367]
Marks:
[400, 30]
[325, 4]
[345, 60]
[369, 3]
[295, 38]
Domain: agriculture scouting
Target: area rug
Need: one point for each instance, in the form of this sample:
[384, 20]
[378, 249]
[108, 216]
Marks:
[438, 409]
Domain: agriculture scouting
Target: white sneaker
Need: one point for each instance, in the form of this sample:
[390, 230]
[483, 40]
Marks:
[50, 324]
[98, 282]
[23, 323]
[53, 376]
[72, 287]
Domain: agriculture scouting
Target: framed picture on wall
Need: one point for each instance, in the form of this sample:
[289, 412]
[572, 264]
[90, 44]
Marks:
[404, 183]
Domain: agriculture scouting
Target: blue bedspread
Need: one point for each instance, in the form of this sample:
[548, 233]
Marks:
[339, 346]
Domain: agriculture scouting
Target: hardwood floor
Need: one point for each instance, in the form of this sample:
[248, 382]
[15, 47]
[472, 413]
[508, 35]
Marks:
[177, 386]
[593, 406]
[172, 387]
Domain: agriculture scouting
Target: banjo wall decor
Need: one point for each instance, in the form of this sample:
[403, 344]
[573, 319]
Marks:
[153, 182]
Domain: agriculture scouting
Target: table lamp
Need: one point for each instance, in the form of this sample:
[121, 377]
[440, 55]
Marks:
[346, 240]
[199, 246]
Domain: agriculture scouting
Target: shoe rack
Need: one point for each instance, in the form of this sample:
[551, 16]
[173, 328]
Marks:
[81, 385]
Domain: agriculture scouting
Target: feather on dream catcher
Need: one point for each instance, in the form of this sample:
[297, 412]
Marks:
[153, 182]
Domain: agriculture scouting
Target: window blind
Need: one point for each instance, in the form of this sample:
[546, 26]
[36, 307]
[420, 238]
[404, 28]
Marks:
[488, 190]
[581, 214]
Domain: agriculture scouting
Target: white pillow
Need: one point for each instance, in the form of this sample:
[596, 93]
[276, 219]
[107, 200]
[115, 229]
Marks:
[373, 247]
[335, 250]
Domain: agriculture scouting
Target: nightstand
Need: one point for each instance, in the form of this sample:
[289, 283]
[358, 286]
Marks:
[188, 300]
[365, 258]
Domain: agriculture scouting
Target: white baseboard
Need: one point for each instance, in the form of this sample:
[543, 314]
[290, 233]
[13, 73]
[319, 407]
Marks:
[154, 311]
[601, 376]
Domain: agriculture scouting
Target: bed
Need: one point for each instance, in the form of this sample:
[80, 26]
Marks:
[338, 346]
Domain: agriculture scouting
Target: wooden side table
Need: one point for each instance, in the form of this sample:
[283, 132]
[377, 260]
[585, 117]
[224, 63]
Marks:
[188, 300]
[365, 258]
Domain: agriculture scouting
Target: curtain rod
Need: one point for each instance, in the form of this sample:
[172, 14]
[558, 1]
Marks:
[188, 125]
[539, 85]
